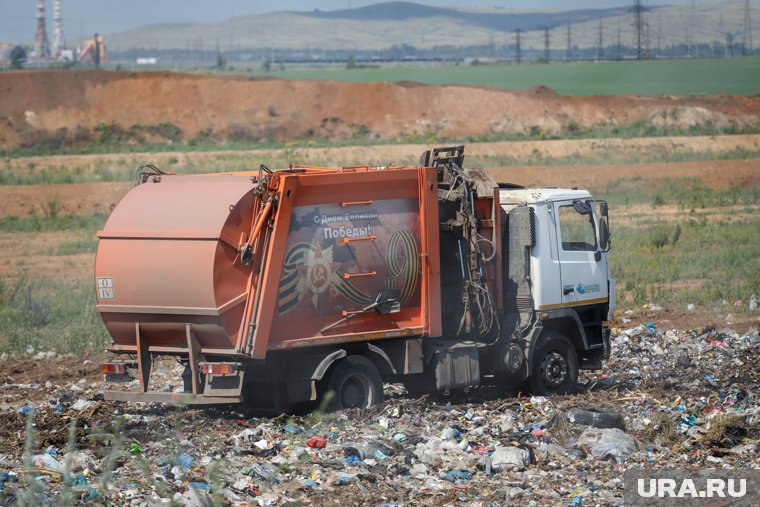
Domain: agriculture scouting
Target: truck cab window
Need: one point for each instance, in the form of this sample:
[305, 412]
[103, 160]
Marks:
[577, 230]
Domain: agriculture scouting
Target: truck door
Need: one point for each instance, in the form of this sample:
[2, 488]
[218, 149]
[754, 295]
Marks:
[583, 268]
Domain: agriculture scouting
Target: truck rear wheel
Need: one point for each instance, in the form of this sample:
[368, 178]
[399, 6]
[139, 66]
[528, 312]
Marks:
[554, 368]
[355, 383]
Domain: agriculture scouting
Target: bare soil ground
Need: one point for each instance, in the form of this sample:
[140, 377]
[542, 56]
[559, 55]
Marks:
[21, 200]
[74, 199]
[116, 164]
[36, 253]
[72, 107]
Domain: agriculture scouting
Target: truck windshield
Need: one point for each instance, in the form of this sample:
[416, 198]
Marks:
[577, 230]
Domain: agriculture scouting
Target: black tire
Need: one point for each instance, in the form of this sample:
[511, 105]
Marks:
[554, 367]
[355, 383]
[597, 419]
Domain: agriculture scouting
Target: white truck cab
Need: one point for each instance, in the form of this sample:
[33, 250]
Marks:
[560, 279]
[568, 264]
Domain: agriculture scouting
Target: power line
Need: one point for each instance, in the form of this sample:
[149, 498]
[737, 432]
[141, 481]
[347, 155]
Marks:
[692, 48]
[546, 44]
[638, 25]
[569, 53]
[518, 47]
[659, 35]
[600, 47]
[747, 33]
[715, 45]
[647, 40]
[686, 43]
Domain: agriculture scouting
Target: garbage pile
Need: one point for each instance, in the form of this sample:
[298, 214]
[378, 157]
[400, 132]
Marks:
[675, 398]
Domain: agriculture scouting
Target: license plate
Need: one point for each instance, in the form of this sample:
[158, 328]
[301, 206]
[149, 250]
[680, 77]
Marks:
[119, 377]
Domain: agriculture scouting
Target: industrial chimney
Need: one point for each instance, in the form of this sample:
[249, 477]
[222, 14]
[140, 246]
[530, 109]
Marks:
[59, 41]
[41, 48]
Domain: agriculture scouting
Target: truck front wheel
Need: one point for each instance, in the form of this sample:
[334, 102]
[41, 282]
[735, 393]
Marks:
[554, 368]
[355, 383]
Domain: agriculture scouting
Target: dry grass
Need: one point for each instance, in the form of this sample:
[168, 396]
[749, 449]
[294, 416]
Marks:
[725, 431]
[560, 428]
[662, 431]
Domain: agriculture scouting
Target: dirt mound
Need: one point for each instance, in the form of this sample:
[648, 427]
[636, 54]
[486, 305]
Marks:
[62, 107]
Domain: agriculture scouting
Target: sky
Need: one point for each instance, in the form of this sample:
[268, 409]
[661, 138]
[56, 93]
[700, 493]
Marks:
[82, 18]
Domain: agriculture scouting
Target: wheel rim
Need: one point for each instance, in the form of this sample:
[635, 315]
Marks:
[553, 369]
[355, 392]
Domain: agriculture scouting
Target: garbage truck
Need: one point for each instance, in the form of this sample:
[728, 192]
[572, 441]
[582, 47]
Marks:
[277, 287]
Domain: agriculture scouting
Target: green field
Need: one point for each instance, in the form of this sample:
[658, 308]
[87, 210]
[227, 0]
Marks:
[739, 76]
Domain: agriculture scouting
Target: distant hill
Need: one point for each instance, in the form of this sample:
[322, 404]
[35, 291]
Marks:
[383, 25]
[507, 21]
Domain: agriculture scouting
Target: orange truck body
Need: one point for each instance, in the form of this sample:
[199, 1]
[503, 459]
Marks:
[171, 256]
[171, 279]
[286, 286]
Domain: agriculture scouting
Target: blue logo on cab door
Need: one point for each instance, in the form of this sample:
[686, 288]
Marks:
[583, 289]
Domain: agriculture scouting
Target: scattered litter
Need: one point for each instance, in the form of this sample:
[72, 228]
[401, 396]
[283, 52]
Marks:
[666, 397]
[80, 405]
[317, 442]
[509, 458]
[47, 462]
[596, 418]
[293, 430]
[607, 442]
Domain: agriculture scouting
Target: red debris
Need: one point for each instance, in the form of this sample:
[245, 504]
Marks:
[317, 442]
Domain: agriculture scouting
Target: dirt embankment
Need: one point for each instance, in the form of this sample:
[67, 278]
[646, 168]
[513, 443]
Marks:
[75, 107]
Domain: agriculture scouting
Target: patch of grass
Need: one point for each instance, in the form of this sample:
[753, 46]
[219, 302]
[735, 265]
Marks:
[648, 77]
[243, 137]
[687, 193]
[659, 235]
[52, 207]
[35, 223]
[237, 156]
[710, 262]
[63, 173]
[662, 430]
[725, 430]
[650, 155]
[51, 315]
[86, 244]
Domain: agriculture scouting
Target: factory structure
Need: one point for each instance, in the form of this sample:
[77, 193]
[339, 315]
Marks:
[45, 51]
[50, 51]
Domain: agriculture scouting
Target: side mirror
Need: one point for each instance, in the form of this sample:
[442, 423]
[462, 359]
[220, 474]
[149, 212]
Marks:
[602, 215]
[604, 235]
[582, 207]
